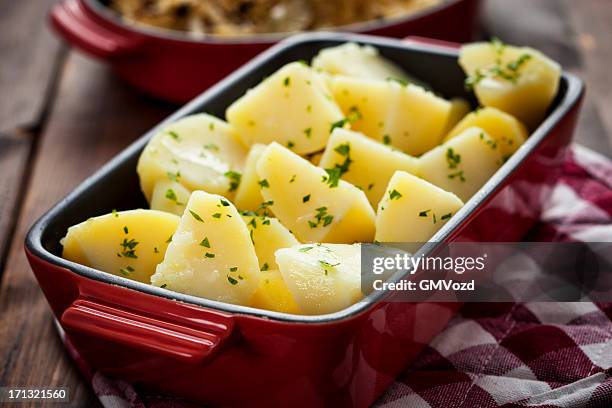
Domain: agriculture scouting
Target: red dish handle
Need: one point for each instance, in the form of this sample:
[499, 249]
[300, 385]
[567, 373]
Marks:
[146, 333]
[74, 22]
[432, 41]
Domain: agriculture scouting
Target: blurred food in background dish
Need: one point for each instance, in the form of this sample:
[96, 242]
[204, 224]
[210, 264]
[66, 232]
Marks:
[244, 17]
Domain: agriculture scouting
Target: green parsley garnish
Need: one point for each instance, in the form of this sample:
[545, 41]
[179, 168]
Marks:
[394, 195]
[306, 249]
[306, 198]
[205, 243]
[292, 179]
[171, 195]
[224, 203]
[458, 175]
[232, 280]
[290, 144]
[387, 139]
[211, 126]
[263, 183]
[211, 146]
[209, 255]
[163, 286]
[125, 229]
[169, 239]
[321, 217]
[287, 81]
[174, 176]
[265, 267]
[129, 248]
[216, 215]
[233, 269]
[127, 270]
[452, 159]
[173, 135]
[196, 216]
[424, 213]
[308, 132]
[234, 177]
[446, 216]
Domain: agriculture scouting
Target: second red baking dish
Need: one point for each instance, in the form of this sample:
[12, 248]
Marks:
[175, 67]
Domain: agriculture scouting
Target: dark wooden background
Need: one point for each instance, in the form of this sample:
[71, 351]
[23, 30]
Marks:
[63, 115]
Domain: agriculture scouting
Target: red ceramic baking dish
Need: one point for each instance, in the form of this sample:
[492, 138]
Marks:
[175, 67]
[221, 354]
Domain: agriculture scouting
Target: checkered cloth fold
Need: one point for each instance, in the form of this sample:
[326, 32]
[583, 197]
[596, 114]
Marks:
[503, 355]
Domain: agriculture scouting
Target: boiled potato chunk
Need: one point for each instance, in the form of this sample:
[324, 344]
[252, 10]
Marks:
[314, 205]
[362, 153]
[292, 107]
[361, 61]
[459, 109]
[211, 254]
[463, 164]
[248, 196]
[268, 235]
[405, 116]
[413, 210]
[200, 152]
[323, 278]
[518, 80]
[273, 294]
[125, 243]
[509, 133]
[170, 196]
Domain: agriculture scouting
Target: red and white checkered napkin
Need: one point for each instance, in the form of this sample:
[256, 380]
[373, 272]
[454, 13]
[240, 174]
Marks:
[532, 354]
[511, 355]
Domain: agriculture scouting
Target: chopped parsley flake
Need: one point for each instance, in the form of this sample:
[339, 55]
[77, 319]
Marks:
[265, 267]
[232, 280]
[155, 250]
[216, 215]
[334, 174]
[343, 149]
[370, 186]
[171, 195]
[308, 132]
[452, 159]
[174, 176]
[129, 248]
[387, 139]
[196, 216]
[224, 203]
[173, 135]
[290, 144]
[306, 249]
[400, 81]
[446, 216]
[292, 179]
[205, 243]
[209, 255]
[263, 183]
[306, 198]
[125, 229]
[424, 213]
[394, 195]
[321, 217]
[458, 175]
[211, 146]
[211, 126]
[287, 81]
[233, 269]
[127, 270]
[235, 178]
[169, 239]
[163, 286]
[115, 213]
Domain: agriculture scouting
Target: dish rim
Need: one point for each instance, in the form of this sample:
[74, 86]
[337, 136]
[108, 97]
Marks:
[33, 241]
[362, 27]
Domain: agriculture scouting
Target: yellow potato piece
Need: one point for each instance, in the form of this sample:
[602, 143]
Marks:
[518, 80]
[459, 109]
[323, 278]
[361, 61]
[272, 294]
[413, 210]
[508, 132]
[268, 235]
[197, 151]
[126, 243]
[405, 116]
[303, 199]
[293, 107]
[463, 164]
[371, 163]
[248, 196]
[211, 254]
[169, 196]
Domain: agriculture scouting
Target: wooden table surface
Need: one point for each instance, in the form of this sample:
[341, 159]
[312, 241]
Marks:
[63, 115]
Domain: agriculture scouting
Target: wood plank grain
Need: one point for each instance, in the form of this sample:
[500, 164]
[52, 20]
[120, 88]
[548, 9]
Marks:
[94, 118]
[592, 20]
[30, 55]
